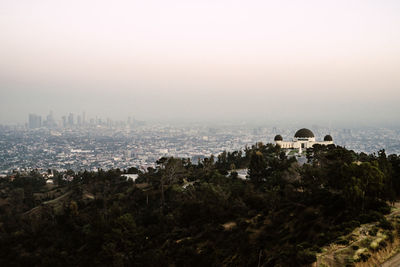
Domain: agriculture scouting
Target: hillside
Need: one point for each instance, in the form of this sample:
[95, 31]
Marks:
[184, 214]
[371, 244]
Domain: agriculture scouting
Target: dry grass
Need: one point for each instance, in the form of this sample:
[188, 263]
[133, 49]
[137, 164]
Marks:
[229, 226]
[364, 245]
[377, 258]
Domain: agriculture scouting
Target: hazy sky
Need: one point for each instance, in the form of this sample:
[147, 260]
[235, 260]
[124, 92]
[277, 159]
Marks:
[184, 59]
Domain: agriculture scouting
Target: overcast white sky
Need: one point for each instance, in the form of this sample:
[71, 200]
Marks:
[185, 59]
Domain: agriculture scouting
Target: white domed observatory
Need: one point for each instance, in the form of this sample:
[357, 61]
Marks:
[303, 139]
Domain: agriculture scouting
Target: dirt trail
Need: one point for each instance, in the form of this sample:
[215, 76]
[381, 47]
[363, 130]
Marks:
[393, 261]
[50, 202]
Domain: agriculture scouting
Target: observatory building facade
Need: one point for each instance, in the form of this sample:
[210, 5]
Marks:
[303, 139]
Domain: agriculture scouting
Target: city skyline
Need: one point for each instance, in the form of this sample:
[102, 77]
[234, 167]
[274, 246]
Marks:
[54, 120]
[73, 119]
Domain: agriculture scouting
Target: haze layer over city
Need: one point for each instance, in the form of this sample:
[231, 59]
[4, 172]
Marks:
[325, 62]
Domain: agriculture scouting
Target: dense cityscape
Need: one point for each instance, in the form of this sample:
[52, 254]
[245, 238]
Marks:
[92, 144]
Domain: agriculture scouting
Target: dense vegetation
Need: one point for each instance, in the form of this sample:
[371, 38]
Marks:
[184, 214]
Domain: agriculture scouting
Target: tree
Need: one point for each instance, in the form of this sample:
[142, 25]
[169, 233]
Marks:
[386, 167]
[394, 161]
[172, 172]
[132, 170]
[366, 184]
[258, 168]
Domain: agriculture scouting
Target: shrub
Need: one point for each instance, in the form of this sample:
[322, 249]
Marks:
[385, 224]
[371, 216]
[306, 256]
[365, 256]
[361, 255]
[342, 241]
[373, 231]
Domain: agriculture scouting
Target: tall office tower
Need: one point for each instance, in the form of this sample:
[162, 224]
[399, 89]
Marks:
[50, 122]
[35, 121]
[31, 121]
[79, 120]
[71, 119]
[84, 118]
[64, 121]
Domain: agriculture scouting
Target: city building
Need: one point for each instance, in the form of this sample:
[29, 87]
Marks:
[303, 139]
[64, 121]
[50, 122]
[35, 121]
[71, 119]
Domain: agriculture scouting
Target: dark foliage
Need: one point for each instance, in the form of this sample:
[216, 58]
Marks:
[182, 214]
